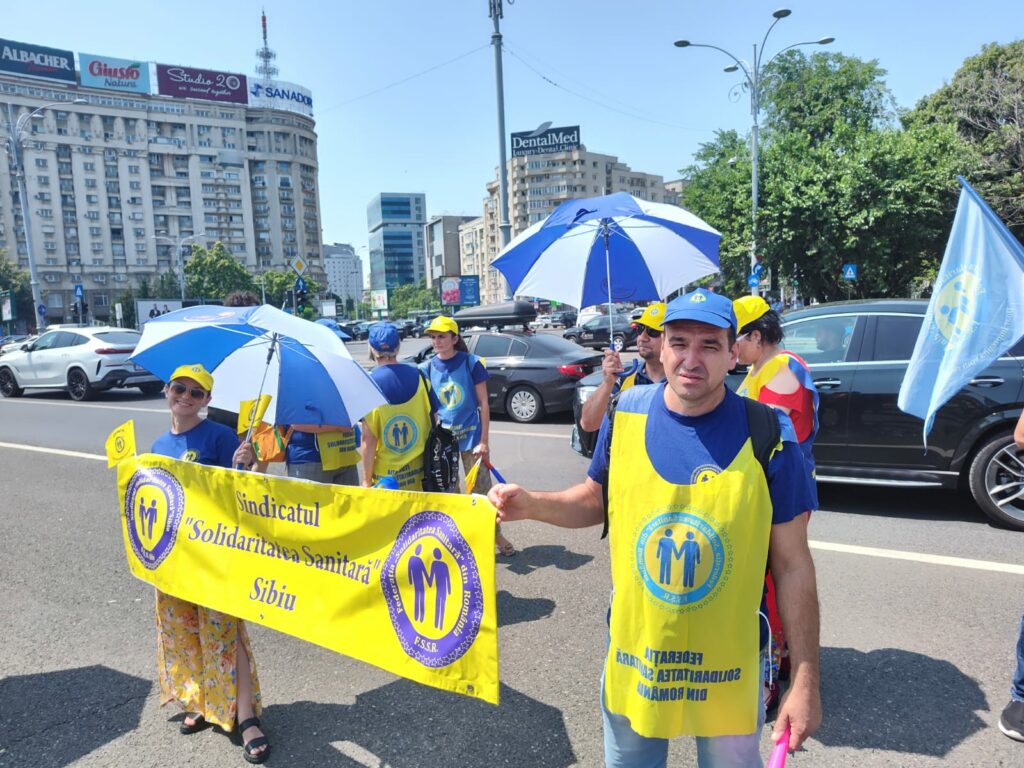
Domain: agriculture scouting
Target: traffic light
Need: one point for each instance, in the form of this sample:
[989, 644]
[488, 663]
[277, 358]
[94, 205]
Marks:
[300, 299]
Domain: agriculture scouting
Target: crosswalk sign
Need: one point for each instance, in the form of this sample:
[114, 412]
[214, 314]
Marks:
[849, 271]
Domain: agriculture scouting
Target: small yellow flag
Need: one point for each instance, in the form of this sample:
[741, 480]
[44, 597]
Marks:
[252, 412]
[471, 475]
[121, 443]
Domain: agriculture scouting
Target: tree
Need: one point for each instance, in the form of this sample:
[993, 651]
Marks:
[17, 281]
[984, 103]
[214, 273]
[278, 284]
[127, 300]
[167, 285]
[410, 297]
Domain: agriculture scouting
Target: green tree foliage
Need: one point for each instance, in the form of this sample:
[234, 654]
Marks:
[411, 297]
[214, 273]
[127, 300]
[279, 284]
[840, 182]
[984, 103]
[166, 286]
[17, 280]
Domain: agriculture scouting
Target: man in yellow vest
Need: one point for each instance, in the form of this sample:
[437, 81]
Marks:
[648, 347]
[700, 489]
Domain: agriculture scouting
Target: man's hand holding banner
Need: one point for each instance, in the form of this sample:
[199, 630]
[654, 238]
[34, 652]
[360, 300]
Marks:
[398, 579]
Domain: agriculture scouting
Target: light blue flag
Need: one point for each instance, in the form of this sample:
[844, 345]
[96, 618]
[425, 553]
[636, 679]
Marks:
[976, 312]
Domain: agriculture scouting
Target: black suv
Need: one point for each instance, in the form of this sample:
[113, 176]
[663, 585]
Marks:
[858, 354]
[594, 332]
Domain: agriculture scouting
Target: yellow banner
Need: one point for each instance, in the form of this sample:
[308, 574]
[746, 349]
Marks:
[399, 579]
[121, 443]
[252, 412]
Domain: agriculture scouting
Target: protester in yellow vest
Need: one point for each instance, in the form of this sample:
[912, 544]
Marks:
[616, 379]
[394, 435]
[699, 488]
[204, 658]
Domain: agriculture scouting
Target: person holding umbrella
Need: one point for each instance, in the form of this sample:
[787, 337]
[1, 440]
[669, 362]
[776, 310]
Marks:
[394, 435]
[204, 658]
[459, 380]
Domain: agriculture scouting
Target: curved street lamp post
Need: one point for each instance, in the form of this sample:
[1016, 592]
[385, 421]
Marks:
[752, 72]
[179, 242]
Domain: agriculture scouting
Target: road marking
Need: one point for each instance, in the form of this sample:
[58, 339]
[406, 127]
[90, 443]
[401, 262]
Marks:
[529, 434]
[87, 405]
[54, 451]
[917, 557]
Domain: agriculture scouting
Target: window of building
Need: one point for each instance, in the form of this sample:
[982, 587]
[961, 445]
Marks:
[89, 166]
[40, 162]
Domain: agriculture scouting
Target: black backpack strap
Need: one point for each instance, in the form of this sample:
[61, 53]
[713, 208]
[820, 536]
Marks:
[610, 414]
[765, 431]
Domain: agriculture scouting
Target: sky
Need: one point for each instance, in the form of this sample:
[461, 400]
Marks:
[404, 92]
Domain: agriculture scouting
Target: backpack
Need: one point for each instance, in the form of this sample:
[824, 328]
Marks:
[441, 461]
[765, 434]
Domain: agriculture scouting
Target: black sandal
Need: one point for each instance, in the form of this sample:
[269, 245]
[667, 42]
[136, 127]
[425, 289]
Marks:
[249, 747]
[199, 724]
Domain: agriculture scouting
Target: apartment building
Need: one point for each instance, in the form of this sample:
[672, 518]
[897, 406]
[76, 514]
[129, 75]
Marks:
[344, 271]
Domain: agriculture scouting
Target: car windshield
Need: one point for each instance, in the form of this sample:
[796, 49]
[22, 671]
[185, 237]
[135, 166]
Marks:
[119, 337]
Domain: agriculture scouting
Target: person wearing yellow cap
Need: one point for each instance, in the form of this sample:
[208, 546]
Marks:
[649, 371]
[193, 641]
[460, 381]
[782, 380]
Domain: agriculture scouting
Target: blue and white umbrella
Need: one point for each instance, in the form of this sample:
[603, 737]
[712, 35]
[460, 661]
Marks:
[610, 249]
[255, 350]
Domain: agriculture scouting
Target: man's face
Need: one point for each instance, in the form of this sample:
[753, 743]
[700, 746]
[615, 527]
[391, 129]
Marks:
[648, 347]
[696, 357]
[828, 338]
[186, 397]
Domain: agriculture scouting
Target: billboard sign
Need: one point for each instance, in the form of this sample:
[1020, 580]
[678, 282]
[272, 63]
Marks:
[461, 291]
[277, 94]
[147, 309]
[113, 74]
[542, 142]
[37, 61]
[192, 83]
[379, 300]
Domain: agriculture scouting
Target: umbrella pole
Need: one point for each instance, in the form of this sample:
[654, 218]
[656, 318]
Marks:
[270, 356]
[608, 278]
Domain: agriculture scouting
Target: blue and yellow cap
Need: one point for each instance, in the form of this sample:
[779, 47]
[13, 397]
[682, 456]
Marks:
[196, 372]
[702, 306]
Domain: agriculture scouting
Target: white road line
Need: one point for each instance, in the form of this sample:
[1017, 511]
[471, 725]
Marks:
[54, 451]
[917, 557]
[529, 434]
[86, 405]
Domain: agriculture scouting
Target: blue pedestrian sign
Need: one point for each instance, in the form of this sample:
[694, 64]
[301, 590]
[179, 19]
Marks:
[79, 291]
[753, 281]
[300, 284]
[41, 309]
[849, 271]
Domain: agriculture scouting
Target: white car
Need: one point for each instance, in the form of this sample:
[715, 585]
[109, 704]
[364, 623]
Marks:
[81, 360]
[543, 321]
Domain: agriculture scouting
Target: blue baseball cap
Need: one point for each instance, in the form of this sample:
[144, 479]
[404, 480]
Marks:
[702, 306]
[383, 337]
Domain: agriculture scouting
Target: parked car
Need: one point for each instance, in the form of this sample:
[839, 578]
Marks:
[9, 343]
[82, 360]
[530, 374]
[564, 318]
[858, 354]
[543, 321]
[595, 332]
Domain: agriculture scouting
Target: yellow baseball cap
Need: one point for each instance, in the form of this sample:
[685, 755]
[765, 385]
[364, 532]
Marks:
[196, 372]
[748, 309]
[442, 324]
[653, 316]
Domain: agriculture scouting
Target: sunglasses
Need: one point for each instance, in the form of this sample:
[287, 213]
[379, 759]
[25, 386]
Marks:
[194, 392]
[651, 332]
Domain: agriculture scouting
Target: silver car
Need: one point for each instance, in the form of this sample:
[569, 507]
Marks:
[81, 360]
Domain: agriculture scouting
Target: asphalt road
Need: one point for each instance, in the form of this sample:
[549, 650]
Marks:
[916, 650]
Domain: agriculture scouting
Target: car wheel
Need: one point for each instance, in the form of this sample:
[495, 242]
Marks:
[524, 405]
[151, 388]
[618, 342]
[78, 385]
[573, 338]
[997, 481]
[8, 384]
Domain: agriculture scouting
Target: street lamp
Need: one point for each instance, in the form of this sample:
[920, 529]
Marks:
[496, 12]
[752, 72]
[181, 258]
[15, 149]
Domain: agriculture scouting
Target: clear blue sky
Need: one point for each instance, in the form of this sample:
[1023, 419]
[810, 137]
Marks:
[645, 100]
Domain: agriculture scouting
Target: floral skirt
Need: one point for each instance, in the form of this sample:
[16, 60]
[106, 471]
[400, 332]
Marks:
[196, 660]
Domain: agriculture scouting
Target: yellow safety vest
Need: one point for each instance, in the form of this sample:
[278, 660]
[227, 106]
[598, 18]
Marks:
[688, 565]
[401, 432]
[753, 383]
[337, 449]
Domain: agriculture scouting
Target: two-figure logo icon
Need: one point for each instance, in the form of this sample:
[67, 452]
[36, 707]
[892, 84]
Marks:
[153, 506]
[400, 433]
[686, 553]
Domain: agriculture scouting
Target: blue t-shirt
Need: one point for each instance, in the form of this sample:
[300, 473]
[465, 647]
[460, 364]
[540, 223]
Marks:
[478, 372]
[681, 447]
[206, 443]
[399, 383]
[454, 380]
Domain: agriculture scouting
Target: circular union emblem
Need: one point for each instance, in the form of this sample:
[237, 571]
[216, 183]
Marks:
[153, 505]
[119, 444]
[432, 590]
[400, 433]
[680, 559]
[955, 307]
[451, 395]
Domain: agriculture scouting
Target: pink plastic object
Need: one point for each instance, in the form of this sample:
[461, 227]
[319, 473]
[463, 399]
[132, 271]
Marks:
[777, 759]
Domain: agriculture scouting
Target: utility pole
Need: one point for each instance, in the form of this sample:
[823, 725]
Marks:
[496, 12]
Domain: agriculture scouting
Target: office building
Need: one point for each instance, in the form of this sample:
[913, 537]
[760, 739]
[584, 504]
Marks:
[152, 155]
[397, 254]
[344, 271]
[442, 243]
